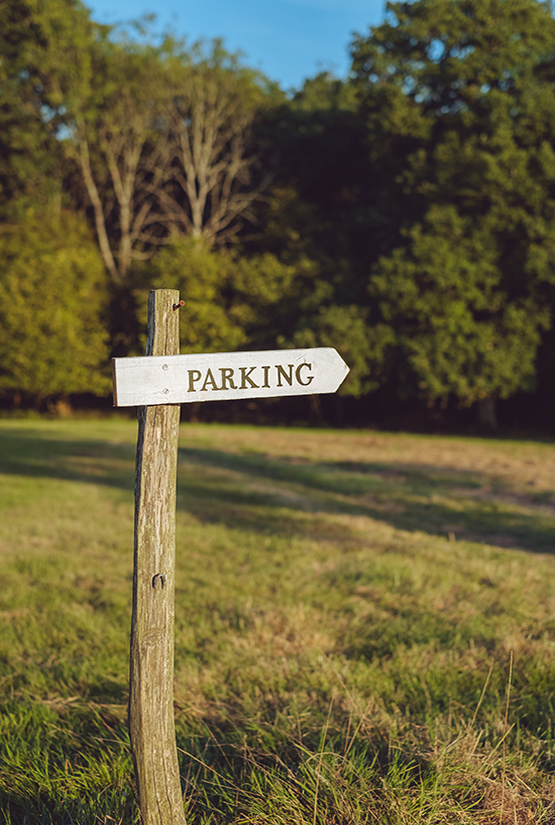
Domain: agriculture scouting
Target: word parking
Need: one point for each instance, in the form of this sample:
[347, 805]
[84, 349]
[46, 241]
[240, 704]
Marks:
[179, 379]
[284, 375]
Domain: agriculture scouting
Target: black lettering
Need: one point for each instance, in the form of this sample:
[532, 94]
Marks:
[281, 373]
[209, 380]
[227, 375]
[266, 371]
[194, 375]
[245, 373]
[309, 378]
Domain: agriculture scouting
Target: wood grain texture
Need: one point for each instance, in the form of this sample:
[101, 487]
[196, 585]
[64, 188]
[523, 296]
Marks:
[151, 713]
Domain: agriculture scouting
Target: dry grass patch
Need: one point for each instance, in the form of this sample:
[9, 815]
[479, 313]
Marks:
[365, 626]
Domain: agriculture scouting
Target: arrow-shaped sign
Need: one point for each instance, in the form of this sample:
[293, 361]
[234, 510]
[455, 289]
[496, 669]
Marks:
[179, 379]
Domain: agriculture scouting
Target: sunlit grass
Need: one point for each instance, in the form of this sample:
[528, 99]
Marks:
[365, 626]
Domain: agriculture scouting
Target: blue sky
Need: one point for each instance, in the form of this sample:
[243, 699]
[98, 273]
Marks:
[287, 39]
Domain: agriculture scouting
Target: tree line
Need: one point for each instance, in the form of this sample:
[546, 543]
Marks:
[404, 215]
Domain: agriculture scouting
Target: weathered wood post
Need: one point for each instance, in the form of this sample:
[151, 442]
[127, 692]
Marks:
[151, 714]
[163, 383]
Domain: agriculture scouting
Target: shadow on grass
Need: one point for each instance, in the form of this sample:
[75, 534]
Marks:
[254, 491]
[424, 499]
[34, 455]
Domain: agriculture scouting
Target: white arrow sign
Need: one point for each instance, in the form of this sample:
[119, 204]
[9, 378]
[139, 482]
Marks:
[179, 379]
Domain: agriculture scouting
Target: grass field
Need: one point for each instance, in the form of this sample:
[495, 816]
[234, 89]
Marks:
[365, 626]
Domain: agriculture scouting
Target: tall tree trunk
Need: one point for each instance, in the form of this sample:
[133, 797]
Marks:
[96, 201]
[487, 413]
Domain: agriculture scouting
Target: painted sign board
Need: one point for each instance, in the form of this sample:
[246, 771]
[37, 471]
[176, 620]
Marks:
[181, 379]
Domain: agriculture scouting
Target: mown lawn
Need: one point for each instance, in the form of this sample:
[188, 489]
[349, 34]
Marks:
[365, 626]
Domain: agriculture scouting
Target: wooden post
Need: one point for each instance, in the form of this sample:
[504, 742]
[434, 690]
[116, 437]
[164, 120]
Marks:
[151, 714]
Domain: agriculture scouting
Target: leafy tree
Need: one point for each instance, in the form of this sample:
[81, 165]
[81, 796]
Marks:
[209, 321]
[314, 146]
[66, 84]
[118, 140]
[315, 220]
[53, 297]
[231, 302]
[214, 172]
[459, 102]
[43, 60]
[235, 301]
[161, 137]
[346, 329]
[443, 295]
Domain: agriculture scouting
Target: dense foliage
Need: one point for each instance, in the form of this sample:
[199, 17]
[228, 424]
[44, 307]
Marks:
[53, 299]
[403, 215]
[460, 96]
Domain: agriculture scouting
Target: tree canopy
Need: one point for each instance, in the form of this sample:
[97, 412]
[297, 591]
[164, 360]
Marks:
[53, 300]
[404, 215]
[459, 102]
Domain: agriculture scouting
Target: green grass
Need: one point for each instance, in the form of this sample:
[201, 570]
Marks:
[365, 626]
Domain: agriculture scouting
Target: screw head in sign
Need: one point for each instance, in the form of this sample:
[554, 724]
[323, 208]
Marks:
[165, 366]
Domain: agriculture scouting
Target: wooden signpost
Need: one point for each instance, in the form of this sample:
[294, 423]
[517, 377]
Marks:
[159, 383]
[212, 376]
